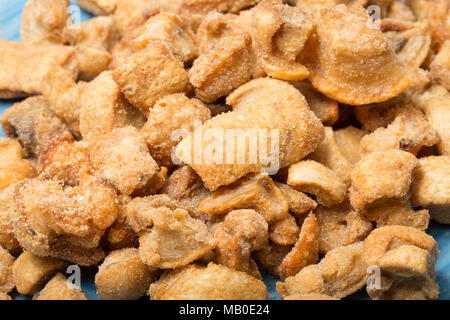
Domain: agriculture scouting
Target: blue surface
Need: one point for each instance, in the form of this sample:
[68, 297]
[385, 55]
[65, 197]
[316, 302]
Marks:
[10, 19]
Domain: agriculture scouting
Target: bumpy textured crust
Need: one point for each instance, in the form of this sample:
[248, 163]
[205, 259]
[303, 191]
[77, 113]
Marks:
[4, 297]
[129, 15]
[99, 7]
[59, 288]
[123, 276]
[299, 203]
[223, 283]
[7, 210]
[6, 266]
[285, 231]
[440, 67]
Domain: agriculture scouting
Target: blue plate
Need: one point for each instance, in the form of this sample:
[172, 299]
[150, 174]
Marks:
[10, 20]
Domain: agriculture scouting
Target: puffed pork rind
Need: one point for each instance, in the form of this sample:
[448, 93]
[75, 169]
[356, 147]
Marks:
[431, 187]
[348, 141]
[4, 297]
[150, 74]
[440, 66]
[129, 16]
[381, 175]
[7, 210]
[349, 61]
[189, 283]
[59, 288]
[299, 203]
[285, 231]
[99, 7]
[270, 105]
[35, 62]
[6, 266]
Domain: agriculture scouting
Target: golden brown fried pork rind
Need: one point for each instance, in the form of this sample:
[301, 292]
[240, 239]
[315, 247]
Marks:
[285, 231]
[299, 203]
[279, 33]
[6, 266]
[150, 74]
[340, 273]
[189, 283]
[98, 7]
[310, 296]
[431, 187]
[171, 118]
[59, 288]
[4, 297]
[129, 15]
[171, 30]
[440, 66]
[122, 158]
[340, 225]
[11, 150]
[380, 176]
[351, 62]
[273, 106]
[35, 62]
[33, 124]
[43, 21]
[305, 251]
[7, 210]
[406, 257]
[123, 276]
[31, 272]
[120, 52]
[314, 178]
[222, 68]
[242, 232]
[270, 257]
[348, 141]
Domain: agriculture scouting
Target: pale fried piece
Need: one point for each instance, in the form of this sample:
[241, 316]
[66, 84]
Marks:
[310, 296]
[149, 75]
[43, 21]
[123, 276]
[279, 34]
[269, 258]
[222, 68]
[409, 132]
[380, 176]
[59, 288]
[104, 108]
[401, 11]
[175, 240]
[440, 66]
[406, 257]
[326, 109]
[376, 115]
[329, 154]
[312, 6]
[129, 15]
[284, 231]
[31, 272]
[11, 150]
[7, 210]
[431, 187]
[98, 7]
[171, 118]
[4, 297]
[311, 177]
[305, 251]
[348, 141]
[35, 62]
[298, 202]
[63, 160]
[254, 191]
[242, 232]
[438, 12]
[222, 283]
[349, 61]
[120, 52]
[275, 111]
[340, 226]
[340, 273]
[169, 29]
[33, 124]
[122, 158]
[397, 212]
[15, 171]
[6, 274]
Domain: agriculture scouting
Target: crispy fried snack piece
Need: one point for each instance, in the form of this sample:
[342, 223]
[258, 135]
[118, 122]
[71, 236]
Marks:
[4, 297]
[122, 158]
[270, 257]
[314, 178]
[340, 273]
[254, 191]
[222, 68]
[409, 132]
[310, 296]
[123, 276]
[6, 266]
[348, 141]
[129, 15]
[440, 66]
[33, 124]
[349, 61]
[171, 30]
[104, 108]
[242, 232]
[120, 52]
[298, 202]
[11, 150]
[406, 257]
[35, 62]
[376, 115]
[59, 288]
[340, 225]
[380, 176]
[329, 154]
[31, 272]
[171, 118]
[284, 231]
[305, 251]
[7, 210]
[279, 34]
[99, 7]
[189, 283]
[149, 75]
[431, 187]
[175, 240]
[277, 113]
[43, 21]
